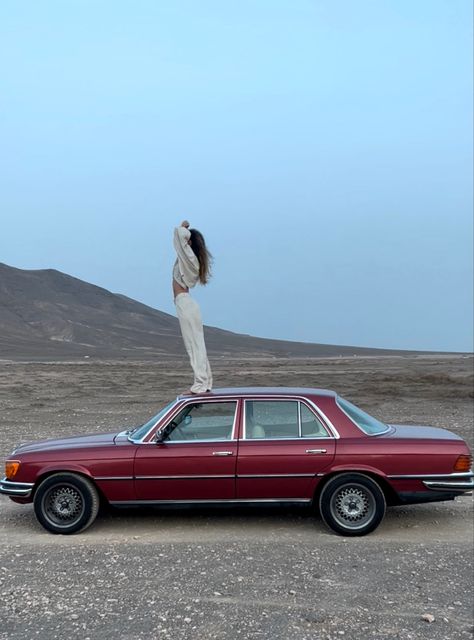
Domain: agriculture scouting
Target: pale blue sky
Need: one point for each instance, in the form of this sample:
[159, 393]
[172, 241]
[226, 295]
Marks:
[323, 147]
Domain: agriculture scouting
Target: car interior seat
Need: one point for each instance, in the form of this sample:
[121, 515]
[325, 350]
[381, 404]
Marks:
[253, 430]
[258, 431]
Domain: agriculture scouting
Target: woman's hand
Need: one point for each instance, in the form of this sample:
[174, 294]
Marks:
[185, 224]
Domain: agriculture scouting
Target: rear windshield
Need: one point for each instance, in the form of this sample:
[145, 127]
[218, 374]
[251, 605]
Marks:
[368, 424]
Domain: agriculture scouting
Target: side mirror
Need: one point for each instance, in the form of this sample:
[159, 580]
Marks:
[162, 434]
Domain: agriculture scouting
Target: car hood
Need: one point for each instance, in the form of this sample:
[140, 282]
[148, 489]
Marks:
[92, 440]
[415, 431]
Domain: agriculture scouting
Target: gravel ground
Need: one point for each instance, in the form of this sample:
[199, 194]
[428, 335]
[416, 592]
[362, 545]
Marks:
[234, 573]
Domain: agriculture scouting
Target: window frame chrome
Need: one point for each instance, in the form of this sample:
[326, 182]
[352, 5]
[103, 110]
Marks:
[370, 435]
[331, 432]
[180, 405]
[155, 425]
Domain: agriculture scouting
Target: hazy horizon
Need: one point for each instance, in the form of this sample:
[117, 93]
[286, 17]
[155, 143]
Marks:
[324, 149]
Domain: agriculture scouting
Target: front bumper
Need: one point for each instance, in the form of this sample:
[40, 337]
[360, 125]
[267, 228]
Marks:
[16, 489]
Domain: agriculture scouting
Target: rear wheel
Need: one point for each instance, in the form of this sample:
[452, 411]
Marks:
[352, 504]
[66, 503]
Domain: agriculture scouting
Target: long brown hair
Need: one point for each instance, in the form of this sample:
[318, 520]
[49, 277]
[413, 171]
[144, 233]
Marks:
[198, 245]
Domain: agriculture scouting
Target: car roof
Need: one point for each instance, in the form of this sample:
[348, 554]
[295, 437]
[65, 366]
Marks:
[263, 391]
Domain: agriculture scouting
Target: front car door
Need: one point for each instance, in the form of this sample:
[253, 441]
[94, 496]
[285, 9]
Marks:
[197, 460]
[284, 446]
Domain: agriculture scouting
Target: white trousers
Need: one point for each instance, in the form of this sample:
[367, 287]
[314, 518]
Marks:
[190, 321]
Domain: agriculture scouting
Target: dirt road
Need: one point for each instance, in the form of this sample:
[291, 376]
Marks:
[228, 574]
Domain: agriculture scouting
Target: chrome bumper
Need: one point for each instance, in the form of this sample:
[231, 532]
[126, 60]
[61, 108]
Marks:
[453, 482]
[16, 489]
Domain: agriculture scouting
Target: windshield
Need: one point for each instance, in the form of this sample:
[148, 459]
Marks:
[141, 432]
[368, 424]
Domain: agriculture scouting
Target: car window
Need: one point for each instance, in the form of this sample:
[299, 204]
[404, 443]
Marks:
[271, 419]
[141, 432]
[311, 426]
[367, 423]
[204, 421]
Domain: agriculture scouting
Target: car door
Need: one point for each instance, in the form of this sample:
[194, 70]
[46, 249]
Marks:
[284, 445]
[196, 460]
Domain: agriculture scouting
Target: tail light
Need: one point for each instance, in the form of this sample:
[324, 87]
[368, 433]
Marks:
[463, 463]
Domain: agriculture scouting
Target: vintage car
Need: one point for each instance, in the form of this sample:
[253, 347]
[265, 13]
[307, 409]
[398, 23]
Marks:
[244, 446]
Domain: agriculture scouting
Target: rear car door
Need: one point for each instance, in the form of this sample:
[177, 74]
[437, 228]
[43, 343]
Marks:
[284, 446]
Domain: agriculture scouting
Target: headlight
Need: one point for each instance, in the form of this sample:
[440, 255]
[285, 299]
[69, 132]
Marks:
[11, 468]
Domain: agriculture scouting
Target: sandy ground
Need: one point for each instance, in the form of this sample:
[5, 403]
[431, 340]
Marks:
[229, 574]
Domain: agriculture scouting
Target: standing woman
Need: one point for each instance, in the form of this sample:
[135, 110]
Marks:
[192, 265]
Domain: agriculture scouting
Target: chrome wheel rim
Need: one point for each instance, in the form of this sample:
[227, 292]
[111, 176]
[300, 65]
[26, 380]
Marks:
[63, 505]
[353, 506]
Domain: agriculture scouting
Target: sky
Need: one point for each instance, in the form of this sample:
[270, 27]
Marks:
[323, 148]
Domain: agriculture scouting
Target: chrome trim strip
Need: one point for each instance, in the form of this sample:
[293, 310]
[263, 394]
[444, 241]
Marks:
[323, 417]
[371, 435]
[224, 501]
[325, 422]
[249, 475]
[276, 475]
[233, 398]
[463, 474]
[176, 403]
[286, 439]
[19, 489]
[113, 478]
[183, 477]
[173, 442]
[194, 400]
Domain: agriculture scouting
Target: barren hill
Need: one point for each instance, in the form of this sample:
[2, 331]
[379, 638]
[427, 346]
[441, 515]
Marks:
[48, 314]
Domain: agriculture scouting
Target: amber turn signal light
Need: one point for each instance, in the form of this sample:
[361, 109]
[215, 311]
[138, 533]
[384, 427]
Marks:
[463, 463]
[11, 468]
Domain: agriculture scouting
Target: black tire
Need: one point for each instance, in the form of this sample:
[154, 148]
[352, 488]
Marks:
[352, 504]
[66, 503]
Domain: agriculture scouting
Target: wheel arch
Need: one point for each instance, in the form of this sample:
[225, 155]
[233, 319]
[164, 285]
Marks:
[390, 494]
[77, 471]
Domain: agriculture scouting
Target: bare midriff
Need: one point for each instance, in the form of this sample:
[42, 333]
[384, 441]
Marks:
[177, 288]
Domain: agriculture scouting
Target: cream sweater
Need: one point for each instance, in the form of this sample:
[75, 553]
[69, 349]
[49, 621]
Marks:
[186, 267]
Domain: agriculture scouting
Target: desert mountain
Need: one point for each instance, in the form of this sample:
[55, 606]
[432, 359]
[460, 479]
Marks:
[48, 314]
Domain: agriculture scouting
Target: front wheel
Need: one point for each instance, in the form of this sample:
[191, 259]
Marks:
[66, 503]
[352, 504]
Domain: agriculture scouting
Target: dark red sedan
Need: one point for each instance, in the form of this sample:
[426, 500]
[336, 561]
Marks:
[241, 446]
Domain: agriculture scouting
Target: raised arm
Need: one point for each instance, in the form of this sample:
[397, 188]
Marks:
[188, 262]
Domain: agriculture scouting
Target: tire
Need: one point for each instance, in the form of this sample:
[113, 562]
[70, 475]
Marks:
[352, 504]
[66, 503]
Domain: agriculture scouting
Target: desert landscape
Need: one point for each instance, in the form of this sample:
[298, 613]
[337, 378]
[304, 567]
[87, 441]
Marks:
[311, 164]
[226, 574]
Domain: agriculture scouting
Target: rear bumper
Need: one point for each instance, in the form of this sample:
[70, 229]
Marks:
[16, 489]
[460, 482]
[428, 487]
[454, 482]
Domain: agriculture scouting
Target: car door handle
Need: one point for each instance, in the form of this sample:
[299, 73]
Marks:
[316, 451]
[222, 453]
